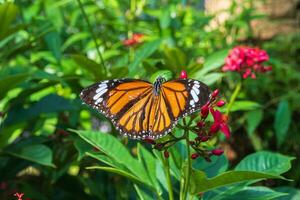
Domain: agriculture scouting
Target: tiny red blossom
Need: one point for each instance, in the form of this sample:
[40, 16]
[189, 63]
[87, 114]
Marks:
[183, 74]
[220, 103]
[219, 123]
[247, 61]
[200, 124]
[215, 93]
[217, 152]
[19, 195]
[204, 111]
[166, 154]
[194, 156]
[135, 39]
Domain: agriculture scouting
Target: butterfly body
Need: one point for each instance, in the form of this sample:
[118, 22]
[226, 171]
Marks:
[139, 109]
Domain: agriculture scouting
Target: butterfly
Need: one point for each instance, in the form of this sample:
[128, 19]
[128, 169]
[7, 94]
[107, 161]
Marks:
[139, 109]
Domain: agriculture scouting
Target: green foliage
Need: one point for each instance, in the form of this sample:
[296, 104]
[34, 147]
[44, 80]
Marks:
[53, 147]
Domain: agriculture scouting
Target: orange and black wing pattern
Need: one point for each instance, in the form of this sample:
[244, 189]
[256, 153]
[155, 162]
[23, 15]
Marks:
[139, 109]
[177, 99]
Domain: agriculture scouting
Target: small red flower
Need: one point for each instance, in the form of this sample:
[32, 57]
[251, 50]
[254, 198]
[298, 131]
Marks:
[194, 156]
[220, 103]
[183, 74]
[19, 195]
[204, 138]
[220, 123]
[215, 93]
[200, 124]
[247, 61]
[204, 111]
[217, 152]
[136, 38]
[166, 154]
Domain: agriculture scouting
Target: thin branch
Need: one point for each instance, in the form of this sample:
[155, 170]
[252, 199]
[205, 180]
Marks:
[93, 35]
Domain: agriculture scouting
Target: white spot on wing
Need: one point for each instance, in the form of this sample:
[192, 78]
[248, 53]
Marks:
[99, 94]
[194, 95]
[196, 89]
[192, 102]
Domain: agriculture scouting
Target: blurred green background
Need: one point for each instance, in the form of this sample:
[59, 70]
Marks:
[50, 50]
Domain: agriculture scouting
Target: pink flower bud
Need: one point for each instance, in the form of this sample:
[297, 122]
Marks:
[166, 154]
[183, 74]
[194, 156]
[215, 93]
[200, 124]
[204, 111]
[220, 103]
[217, 152]
[204, 138]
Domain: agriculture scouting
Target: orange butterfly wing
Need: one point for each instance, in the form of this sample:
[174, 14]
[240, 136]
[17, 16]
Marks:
[138, 111]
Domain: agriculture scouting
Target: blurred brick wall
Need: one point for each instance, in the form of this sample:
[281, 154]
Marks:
[283, 16]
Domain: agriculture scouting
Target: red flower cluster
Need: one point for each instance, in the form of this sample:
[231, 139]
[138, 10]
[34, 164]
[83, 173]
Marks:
[220, 120]
[135, 39]
[247, 61]
[208, 130]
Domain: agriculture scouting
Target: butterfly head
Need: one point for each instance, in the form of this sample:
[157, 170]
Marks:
[157, 84]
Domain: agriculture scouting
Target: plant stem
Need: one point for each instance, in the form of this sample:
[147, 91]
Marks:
[168, 177]
[233, 97]
[93, 35]
[188, 174]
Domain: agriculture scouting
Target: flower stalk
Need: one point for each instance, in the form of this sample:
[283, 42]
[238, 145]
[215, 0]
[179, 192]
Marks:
[234, 96]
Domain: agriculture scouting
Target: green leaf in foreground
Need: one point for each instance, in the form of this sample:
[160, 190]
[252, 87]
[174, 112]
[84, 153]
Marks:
[292, 193]
[116, 151]
[266, 162]
[38, 153]
[255, 193]
[282, 121]
[200, 182]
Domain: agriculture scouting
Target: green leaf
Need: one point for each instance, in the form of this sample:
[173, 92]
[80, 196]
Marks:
[82, 147]
[53, 42]
[91, 66]
[282, 121]
[254, 193]
[149, 163]
[38, 153]
[253, 120]
[217, 165]
[120, 172]
[9, 82]
[49, 104]
[244, 106]
[113, 148]
[175, 59]
[267, 162]
[8, 13]
[292, 193]
[164, 73]
[73, 39]
[214, 61]
[141, 194]
[107, 160]
[144, 52]
[200, 183]
[209, 79]
[165, 18]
